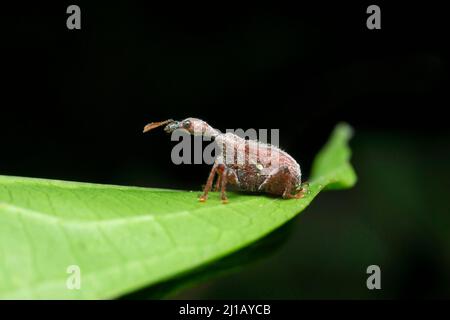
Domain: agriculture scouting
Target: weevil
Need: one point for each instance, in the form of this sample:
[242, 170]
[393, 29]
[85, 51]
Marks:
[250, 165]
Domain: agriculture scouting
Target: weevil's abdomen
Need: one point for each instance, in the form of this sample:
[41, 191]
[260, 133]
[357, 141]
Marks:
[282, 178]
[259, 167]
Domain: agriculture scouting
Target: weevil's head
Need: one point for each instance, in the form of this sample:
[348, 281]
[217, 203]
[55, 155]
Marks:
[193, 126]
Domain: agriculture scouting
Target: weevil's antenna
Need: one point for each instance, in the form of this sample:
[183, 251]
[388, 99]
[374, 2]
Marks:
[154, 125]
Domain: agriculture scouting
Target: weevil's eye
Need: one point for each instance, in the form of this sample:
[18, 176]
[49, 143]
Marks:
[186, 124]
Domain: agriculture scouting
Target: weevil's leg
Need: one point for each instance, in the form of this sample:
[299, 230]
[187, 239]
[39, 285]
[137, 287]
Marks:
[217, 168]
[287, 190]
[208, 185]
[232, 178]
[288, 195]
[301, 193]
[275, 180]
[279, 182]
[219, 178]
[224, 186]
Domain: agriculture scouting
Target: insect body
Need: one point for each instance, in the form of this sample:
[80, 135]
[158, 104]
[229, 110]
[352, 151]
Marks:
[248, 165]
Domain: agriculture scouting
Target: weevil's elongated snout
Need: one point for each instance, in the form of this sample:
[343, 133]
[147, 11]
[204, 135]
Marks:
[154, 125]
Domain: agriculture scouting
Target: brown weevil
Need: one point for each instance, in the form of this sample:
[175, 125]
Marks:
[248, 165]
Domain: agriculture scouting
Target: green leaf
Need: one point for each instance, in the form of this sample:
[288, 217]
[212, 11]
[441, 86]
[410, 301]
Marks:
[331, 166]
[126, 238]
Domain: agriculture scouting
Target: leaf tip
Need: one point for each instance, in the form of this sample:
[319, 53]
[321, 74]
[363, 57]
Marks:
[344, 130]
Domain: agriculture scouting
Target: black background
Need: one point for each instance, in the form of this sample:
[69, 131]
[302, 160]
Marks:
[74, 102]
